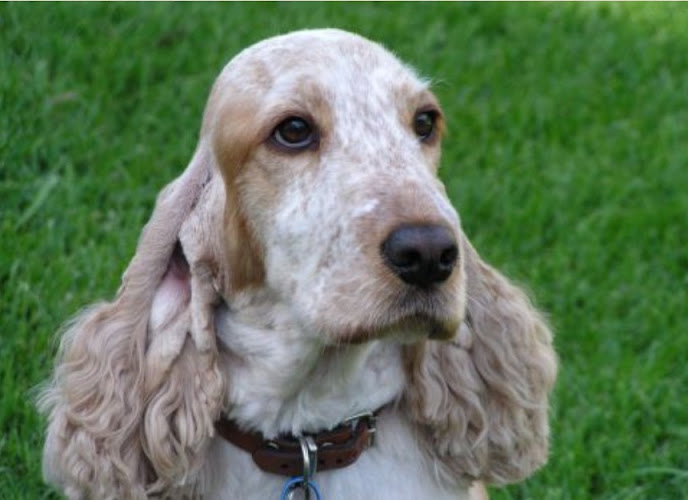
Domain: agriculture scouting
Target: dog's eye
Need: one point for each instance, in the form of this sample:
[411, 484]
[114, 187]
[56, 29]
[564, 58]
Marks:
[294, 133]
[424, 124]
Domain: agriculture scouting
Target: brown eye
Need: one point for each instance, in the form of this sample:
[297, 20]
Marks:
[294, 133]
[424, 124]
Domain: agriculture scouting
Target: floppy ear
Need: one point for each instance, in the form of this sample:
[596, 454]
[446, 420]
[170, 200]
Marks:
[137, 386]
[480, 401]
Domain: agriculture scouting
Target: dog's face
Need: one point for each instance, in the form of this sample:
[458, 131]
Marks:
[329, 159]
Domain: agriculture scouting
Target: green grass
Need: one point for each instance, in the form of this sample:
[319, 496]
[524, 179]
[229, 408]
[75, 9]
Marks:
[566, 158]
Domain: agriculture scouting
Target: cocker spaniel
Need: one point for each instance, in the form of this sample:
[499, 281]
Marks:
[303, 314]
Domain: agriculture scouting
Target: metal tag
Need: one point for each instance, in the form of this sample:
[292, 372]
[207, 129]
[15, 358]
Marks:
[300, 492]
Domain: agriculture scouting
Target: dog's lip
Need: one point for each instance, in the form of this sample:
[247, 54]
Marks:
[412, 315]
[436, 328]
[409, 327]
[443, 330]
[426, 310]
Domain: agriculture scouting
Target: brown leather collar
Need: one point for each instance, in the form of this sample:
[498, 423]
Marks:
[334, 449]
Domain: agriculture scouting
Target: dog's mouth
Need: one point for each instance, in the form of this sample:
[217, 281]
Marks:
[406, 330]
[412, 318]
[423, 325]
[434, 313]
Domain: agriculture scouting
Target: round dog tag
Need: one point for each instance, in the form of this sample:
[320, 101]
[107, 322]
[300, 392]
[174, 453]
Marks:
[297, 489]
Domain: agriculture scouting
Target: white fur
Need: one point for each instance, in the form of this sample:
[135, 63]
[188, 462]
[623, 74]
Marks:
[290, 383]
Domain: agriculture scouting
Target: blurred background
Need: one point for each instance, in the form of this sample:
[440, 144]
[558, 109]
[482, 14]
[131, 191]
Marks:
[566, 158]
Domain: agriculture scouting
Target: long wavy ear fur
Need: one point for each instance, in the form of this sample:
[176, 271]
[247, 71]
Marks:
[137, 387]
[481, 401]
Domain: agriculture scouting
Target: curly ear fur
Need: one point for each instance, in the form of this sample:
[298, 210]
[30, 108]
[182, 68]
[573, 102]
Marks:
[137, 387]
[480, 401]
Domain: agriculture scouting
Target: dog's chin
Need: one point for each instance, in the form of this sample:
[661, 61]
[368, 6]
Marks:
[408, 329]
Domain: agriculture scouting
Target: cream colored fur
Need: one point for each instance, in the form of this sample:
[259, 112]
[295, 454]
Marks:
[258, 292]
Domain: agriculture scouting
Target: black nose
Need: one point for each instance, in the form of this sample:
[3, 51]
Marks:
[421, 255]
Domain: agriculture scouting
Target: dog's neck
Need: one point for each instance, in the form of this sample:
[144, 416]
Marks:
[283, 379]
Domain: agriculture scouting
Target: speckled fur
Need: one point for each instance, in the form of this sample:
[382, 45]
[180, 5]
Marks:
[258, 291]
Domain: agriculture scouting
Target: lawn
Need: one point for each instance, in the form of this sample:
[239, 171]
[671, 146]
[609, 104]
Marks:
[567, 157]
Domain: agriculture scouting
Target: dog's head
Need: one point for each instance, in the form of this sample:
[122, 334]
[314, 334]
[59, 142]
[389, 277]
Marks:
[329, 148]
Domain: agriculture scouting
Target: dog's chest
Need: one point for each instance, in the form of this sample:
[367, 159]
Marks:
[393, 469]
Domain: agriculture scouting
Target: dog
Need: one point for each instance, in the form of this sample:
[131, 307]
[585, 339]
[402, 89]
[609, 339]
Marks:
[303, 314]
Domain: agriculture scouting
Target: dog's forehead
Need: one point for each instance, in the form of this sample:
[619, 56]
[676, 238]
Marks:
[329, 57]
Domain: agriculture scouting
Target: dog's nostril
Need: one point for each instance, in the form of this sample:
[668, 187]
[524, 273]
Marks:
[407, 258]
[448, 257]
[421, 255]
